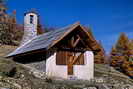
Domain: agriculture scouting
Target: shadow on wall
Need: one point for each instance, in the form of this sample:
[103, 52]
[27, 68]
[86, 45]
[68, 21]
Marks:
[33, 57]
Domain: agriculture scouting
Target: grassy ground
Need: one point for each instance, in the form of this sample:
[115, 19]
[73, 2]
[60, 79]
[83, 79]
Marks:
[110, 72]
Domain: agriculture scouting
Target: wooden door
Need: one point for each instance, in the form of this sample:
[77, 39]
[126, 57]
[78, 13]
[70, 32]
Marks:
[69, 59]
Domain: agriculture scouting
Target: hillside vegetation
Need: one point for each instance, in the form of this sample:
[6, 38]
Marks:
[121, 55]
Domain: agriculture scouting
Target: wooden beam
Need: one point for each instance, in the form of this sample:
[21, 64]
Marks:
[70, 66]
[77, 41]
[74, 42]
[76, 58]
[73, 49]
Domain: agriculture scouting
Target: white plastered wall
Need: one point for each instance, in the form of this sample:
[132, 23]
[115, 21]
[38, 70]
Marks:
[85, 72]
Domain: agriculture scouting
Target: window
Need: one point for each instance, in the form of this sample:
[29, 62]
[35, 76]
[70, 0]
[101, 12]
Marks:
[31, 19]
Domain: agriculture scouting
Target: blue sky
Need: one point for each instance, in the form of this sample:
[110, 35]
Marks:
[107, 18]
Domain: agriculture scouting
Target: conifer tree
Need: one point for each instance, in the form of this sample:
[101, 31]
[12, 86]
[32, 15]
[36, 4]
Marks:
[127, 66]
[122, 44]
[119, 52]
[122, 55]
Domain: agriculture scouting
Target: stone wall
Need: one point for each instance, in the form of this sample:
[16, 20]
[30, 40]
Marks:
[30, 29]
[41, 66]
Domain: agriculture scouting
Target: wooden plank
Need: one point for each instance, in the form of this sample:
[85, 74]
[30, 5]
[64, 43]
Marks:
[61, 58]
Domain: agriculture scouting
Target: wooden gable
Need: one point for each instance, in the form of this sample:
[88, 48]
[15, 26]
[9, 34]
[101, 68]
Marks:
[76, 40]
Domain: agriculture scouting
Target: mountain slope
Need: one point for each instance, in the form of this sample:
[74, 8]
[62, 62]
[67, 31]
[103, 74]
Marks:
[18, 76]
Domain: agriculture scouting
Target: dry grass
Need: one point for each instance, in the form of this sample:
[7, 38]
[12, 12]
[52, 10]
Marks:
[6, 49]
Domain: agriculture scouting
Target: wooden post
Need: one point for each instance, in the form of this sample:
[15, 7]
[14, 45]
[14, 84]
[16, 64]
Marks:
[70, 64]
[70, 69]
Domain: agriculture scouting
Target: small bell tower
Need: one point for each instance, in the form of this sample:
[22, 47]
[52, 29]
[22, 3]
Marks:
[30, 26]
